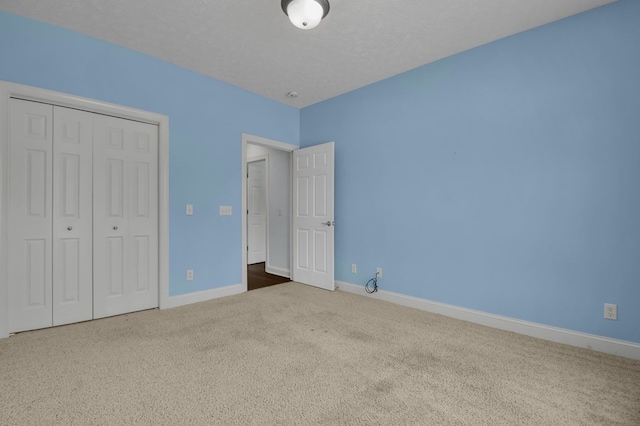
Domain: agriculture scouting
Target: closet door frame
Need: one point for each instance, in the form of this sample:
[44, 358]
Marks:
[12, 90]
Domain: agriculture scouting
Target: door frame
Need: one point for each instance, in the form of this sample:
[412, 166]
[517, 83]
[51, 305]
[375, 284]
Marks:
[268, 143]
[257, 159]
[13, 90]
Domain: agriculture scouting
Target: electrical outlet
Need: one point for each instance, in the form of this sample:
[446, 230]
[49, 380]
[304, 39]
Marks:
[354, 268]
[189, 274]
[378, 272]
[611, 311]
[189, 210]
[225, 210]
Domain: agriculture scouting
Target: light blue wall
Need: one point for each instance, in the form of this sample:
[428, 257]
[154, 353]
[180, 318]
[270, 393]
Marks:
[505, 179]
[206, 121]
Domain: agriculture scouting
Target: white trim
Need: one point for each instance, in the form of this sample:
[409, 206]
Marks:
[203, 296]
[254, 140]
[9, 90]
[4, 151]
[274, 270]
[541, 331]
[268, 143]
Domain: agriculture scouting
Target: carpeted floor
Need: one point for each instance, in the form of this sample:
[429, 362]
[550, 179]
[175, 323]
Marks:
[291, 354]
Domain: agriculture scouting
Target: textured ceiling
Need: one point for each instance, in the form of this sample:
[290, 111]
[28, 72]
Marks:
[251, 44]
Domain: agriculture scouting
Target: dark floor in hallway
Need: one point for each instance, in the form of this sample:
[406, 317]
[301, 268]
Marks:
[258, 278]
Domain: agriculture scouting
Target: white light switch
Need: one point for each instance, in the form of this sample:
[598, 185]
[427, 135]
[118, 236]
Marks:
[225, 210]
[189, 211]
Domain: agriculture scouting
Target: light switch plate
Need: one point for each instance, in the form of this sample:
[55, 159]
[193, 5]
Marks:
[225, 211]
[189, 210]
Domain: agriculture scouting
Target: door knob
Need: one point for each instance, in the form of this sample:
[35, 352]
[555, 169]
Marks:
[115, 228]
[327, 223]
[69, 228]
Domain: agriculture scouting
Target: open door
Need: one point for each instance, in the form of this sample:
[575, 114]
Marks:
[313, 220]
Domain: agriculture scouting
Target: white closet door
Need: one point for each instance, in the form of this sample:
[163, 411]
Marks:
[30, 206]
[72, 216]
[125, 229]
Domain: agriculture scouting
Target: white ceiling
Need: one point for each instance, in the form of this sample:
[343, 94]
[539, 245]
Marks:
[251, 44]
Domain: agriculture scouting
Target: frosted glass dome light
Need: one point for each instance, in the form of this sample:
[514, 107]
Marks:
[305, 14]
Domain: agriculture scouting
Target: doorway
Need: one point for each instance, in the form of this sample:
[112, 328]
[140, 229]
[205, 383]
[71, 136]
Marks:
[262, 269]
[308, 212]
[257, 220]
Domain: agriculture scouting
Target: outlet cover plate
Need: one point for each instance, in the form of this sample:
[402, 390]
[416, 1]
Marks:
[611, 311]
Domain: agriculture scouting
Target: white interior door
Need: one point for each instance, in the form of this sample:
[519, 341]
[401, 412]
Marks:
[256, 212]
[72, 216]
[125, 224]
[30, 207]
[313, 220]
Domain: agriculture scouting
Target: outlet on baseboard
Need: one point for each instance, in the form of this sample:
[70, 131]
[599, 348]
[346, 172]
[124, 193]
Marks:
[611, 311]
[189, 274]
[378, 272]
[354, 268]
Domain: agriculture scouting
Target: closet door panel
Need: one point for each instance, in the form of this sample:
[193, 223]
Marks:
[30, 209]
[72, 216]
[125, 216]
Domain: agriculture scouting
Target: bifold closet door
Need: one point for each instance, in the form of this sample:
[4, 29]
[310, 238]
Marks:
[50, 216]
[125, 226]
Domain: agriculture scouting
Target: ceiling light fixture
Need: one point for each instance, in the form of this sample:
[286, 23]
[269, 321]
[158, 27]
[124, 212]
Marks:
[305, 14]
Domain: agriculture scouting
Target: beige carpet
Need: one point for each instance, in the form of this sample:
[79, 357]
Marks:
[291, 354]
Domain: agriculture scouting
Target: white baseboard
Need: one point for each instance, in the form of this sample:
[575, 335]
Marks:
[202, 296]
[281, 272]
[541, 331]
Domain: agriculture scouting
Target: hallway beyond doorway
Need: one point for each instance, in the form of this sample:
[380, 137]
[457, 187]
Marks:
[258, 278]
